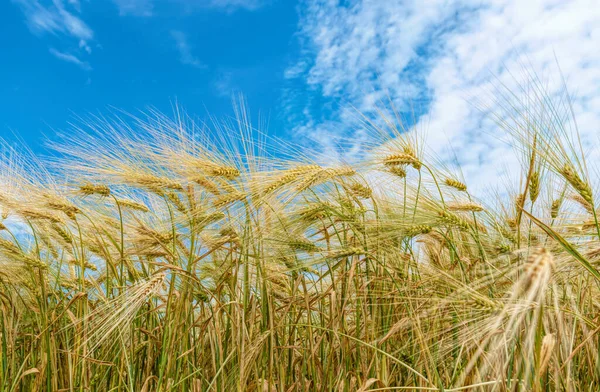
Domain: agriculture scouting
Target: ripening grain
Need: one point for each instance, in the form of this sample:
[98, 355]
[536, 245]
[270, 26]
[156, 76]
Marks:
[159, 259]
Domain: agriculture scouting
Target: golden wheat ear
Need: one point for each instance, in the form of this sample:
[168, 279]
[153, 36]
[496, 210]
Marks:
[114, 315]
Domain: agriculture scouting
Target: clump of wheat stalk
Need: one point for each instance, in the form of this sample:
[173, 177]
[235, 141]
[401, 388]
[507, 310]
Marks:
[157, 257]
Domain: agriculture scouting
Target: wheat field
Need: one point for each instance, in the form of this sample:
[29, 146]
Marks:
[152, 255]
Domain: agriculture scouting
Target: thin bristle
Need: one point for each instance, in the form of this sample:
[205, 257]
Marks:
[156, 256]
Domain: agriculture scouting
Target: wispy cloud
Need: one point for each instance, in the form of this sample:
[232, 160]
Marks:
[135, 7]
[69, 58]
[145, 8]
[185, 50]
[55, 18]
[232, 5]
[60, 19]
[223, 85]
[440, 56]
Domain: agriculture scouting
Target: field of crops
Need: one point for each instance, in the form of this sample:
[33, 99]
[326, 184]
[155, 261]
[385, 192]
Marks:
[152, 255]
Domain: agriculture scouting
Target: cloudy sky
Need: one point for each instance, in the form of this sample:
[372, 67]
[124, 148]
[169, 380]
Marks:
[302, 65]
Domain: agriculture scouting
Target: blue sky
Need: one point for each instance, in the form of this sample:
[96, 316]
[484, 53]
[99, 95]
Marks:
[196, 56]
[305, 65]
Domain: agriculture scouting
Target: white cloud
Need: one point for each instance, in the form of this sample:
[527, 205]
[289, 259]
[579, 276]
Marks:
[185, 51]
[447, 53]
[70, 59]
[54, 18]
[223, 85]
[135, 7]
[83, 45]
[146, 7]
[237, 4]
[60, 19]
